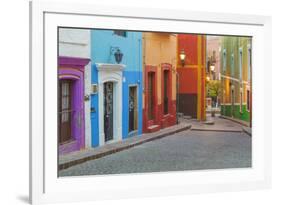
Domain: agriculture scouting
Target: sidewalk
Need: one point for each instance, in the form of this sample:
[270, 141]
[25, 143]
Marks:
[68, 160]
[215, 124]
[246, 124]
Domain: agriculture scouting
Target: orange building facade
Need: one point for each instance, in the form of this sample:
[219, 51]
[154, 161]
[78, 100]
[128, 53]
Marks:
[159, 76]
[191, 72]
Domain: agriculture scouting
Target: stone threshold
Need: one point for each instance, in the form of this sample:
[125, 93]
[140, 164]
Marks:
[75, 158]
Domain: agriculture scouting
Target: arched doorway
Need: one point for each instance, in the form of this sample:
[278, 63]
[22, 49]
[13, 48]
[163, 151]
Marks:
[71, 126]
[110, 102]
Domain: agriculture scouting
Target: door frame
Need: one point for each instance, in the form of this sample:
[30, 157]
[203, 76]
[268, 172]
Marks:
[110, 73]
[72, 68]
[166, 67]
[114, 109]
[70, 98]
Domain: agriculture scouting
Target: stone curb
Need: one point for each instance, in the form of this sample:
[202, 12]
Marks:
[121, 148]
[247, 131]
[214, 130]
[244, 129]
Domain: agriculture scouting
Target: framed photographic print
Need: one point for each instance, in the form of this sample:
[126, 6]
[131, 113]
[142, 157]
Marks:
[127, 102]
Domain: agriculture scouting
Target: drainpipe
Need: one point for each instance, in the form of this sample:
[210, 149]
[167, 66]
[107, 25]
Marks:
[139, 40]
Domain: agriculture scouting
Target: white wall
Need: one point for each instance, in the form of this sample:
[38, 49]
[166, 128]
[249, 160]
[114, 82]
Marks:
[14, 86]
[76, 43]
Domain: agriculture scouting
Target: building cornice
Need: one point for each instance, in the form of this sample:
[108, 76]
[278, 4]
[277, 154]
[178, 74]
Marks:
[110, 67]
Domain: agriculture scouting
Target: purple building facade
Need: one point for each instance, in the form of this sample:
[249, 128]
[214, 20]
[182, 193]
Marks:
[71, 130]
[74, 87]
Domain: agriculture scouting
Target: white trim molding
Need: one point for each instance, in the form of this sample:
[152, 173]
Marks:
[110, 73]
[110, 67]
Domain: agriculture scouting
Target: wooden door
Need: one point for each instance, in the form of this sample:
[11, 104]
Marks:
[65, 111]
[165, 97]
[108, 111]
[133, 113]
[151, 95]
[232, 102]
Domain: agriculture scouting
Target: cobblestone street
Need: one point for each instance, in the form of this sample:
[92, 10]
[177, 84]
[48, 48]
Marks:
[187, 150]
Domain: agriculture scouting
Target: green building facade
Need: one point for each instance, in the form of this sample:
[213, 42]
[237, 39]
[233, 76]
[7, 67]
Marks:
[235, 73]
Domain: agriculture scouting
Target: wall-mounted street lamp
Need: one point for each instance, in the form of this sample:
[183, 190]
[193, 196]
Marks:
[117, 54]
[182, 57]
[211, 65]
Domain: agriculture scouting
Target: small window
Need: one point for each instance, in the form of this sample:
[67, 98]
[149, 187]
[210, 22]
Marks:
[120, 33]
[232, 64]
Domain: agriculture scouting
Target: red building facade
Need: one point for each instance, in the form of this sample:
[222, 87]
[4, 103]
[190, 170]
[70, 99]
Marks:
[159, 74]
[191, 72]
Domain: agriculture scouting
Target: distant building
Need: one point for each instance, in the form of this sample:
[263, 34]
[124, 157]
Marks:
[159, 74]
[191, 73]
[213, 57]
[236, 66]
[213, 69]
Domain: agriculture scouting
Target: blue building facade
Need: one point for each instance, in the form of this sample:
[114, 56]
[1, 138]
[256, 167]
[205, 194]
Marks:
[116, 103]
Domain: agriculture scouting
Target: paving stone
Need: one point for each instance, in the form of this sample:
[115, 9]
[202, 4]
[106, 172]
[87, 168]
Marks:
[217, 133]
[187, 150]
[68, 160]
[219, 124]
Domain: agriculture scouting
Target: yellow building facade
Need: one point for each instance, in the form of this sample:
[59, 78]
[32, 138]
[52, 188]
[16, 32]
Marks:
[159, 76]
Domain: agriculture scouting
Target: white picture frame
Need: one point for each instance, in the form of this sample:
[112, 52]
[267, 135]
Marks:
[46, 187]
